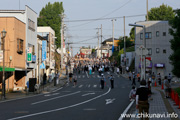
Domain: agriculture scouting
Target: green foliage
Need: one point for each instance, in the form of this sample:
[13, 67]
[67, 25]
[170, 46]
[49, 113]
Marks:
[175, 42]
[93, 50]
[132, 36]
[163, 12]
[128, 42]
[49, 16]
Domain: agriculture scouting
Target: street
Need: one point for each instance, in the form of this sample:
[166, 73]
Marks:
[86, 101]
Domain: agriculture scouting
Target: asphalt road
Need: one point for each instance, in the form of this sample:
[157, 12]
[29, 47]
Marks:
[86, 101]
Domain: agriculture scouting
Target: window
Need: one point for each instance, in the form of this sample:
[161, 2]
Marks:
[149, 51]
[164, 33]
[20, 46]
[141, 36]
[31, 25]
[148, 35]
[157, 50]
[164, 51]
[157, 33]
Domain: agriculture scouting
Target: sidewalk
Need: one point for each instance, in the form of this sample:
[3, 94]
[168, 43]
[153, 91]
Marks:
[161, 105]
[42, 90]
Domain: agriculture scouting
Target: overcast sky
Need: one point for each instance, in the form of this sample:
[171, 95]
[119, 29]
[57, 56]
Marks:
[94, 9]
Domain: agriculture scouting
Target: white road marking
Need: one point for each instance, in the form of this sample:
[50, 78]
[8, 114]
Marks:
[57, 89]
[88, 94]
[108, 101]
[59, 109]
[80, 86]
[89, 86]
[51, 94]
[87, 74]
[125, 111]
[95, 86]
[55, 98]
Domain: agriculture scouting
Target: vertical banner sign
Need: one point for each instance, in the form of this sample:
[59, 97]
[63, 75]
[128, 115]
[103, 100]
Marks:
[29, 54]
[44, 44]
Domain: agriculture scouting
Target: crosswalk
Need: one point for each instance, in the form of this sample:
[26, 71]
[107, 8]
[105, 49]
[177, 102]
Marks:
[96, 86]
[95, 76]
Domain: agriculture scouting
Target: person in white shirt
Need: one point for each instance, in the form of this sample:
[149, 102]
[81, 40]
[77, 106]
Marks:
[118, 70]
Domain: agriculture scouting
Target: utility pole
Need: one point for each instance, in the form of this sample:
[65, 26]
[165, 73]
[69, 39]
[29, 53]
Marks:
[147, 11]
[98, 42]
[101, 41]
[113, 30]
[62, 38]
[124, 44]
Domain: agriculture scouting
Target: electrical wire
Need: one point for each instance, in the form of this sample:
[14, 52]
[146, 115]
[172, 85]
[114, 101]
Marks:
[104, 15]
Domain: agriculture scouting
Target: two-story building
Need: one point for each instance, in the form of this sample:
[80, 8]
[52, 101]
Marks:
[21, 45]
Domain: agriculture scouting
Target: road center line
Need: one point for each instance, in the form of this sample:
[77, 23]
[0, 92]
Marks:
[59, 109]
[55, 98]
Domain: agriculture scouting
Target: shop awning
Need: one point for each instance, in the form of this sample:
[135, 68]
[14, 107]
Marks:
[7, 69]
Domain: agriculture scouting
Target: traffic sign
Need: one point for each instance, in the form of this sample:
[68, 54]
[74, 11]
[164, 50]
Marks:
[29, 57]
[42, 66]
[141, 51]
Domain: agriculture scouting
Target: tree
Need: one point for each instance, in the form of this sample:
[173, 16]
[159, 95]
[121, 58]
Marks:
[129, 43]
[163, 12]
[49, 16]
[175, 42]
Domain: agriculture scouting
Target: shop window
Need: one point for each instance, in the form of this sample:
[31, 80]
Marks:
[19, 46]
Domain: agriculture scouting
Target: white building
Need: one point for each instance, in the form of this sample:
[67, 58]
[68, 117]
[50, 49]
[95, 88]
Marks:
[49, 34]
[158, 45]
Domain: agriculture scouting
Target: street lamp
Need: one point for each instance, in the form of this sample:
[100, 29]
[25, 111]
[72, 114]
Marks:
[144, 43]
[3, 33]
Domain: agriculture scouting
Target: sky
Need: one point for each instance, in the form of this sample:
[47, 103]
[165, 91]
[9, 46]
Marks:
[85, 32]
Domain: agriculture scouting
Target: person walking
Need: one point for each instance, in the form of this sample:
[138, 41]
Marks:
[159, 78]
[167, 87]
[133, 79]
[102, 81]
[117, 70]
[138, 77]
[142, 103]
[132, 94]
[169, 77]
[75, 79]
[130, 75]
[111, 78]
[153, 78]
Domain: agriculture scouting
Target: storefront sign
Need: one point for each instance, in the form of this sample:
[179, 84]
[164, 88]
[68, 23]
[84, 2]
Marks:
[34, 58]
[44, 44]
[160, 65]
[29, 54]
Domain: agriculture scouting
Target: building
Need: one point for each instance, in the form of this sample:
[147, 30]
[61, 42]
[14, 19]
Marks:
[158, 46]
[21, 28]
[49, 36]
[85, 52]
[106, 47]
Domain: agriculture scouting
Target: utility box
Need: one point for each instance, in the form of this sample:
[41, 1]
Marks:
[32, 83]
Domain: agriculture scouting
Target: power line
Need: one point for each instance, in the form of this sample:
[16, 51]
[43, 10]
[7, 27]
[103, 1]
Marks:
[104, 15]
[104, 18]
